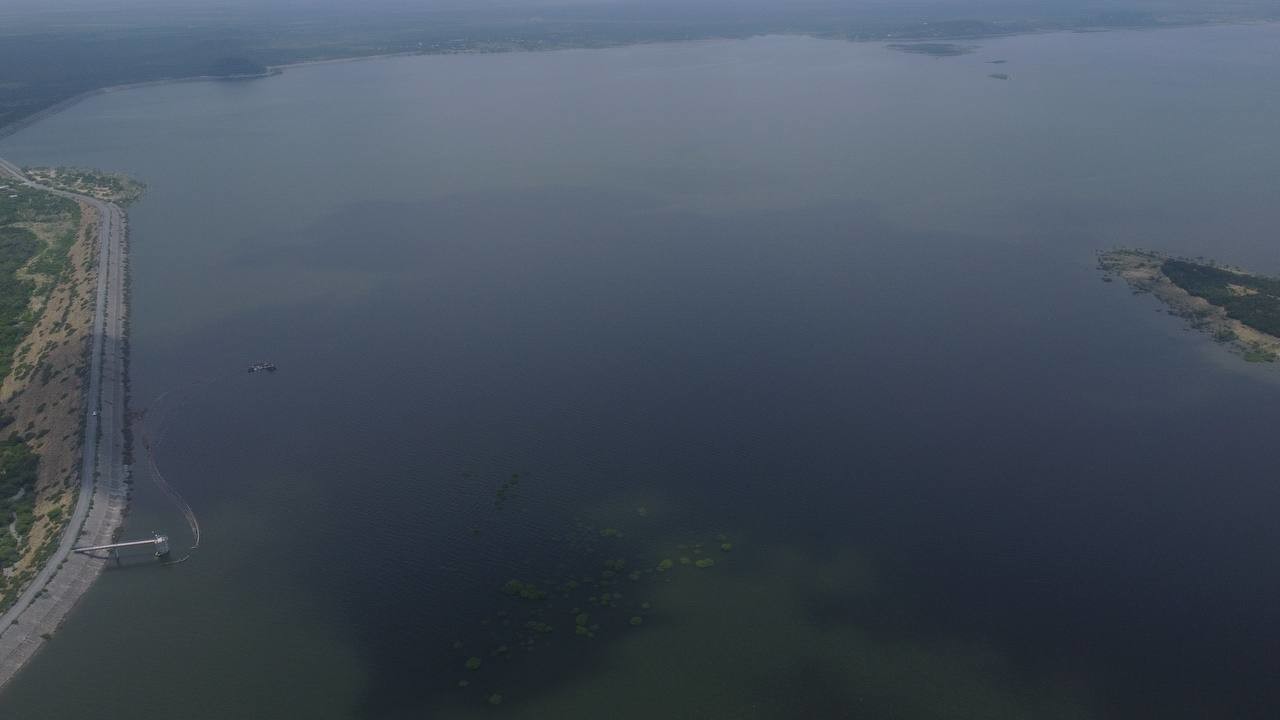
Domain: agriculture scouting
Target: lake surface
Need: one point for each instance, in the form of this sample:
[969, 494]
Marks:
[832, 304]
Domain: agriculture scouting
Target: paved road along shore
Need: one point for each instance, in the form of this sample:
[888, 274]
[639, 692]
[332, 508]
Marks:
[100, 504]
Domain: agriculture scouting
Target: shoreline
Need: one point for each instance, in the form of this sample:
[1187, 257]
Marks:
[23, 123]
[1143, 271]
[273, 70]
[102, 497]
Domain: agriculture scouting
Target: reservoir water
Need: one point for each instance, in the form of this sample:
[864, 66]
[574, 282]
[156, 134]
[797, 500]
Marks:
[568, 318]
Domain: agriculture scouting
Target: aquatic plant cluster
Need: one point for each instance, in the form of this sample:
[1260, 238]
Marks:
[602, 588]
[508, 486]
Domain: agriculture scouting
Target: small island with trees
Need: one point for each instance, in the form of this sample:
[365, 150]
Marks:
[1234, 307]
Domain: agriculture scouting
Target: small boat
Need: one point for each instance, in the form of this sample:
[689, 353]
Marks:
[261, 366]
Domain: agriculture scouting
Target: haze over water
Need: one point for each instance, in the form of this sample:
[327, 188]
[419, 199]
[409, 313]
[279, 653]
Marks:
[831, 301]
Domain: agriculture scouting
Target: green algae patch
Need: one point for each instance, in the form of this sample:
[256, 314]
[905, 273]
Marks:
[704, 563]
[495, 699]
[665, 565]
[528, 591]
[726, 547]
[636, 621]
[505, 489]
[473, 663]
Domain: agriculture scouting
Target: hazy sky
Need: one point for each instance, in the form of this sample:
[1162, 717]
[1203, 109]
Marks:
[37, 16]
[977, 7]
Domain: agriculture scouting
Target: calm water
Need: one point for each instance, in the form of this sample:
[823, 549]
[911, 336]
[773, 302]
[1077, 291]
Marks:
[832, 304]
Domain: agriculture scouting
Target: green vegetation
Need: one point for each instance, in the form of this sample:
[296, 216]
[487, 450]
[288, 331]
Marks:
[17, 247]
[112, 187]
[21, 248]
[528, 591]
[1252, 299]
[599, 588]
[508, 486]
[538, 627]
[18, 465]
[1259, 355]
[37, 231]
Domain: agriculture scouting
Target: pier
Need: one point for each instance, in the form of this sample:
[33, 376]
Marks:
[158, 541]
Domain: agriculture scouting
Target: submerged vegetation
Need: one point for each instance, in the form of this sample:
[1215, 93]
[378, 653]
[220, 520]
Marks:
[644, 620]
[599, 584]
[507, 487]
[527, 591]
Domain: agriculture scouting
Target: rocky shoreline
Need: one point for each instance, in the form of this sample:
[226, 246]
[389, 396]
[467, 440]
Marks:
[1144, 272]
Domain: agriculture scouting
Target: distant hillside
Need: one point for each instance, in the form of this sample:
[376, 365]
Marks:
[54, 50]
[236, 67]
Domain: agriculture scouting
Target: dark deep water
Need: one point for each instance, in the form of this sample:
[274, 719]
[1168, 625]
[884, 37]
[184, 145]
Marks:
[834, 303]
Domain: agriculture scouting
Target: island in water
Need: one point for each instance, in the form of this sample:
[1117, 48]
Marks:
[935, 49]
[1237, 308]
